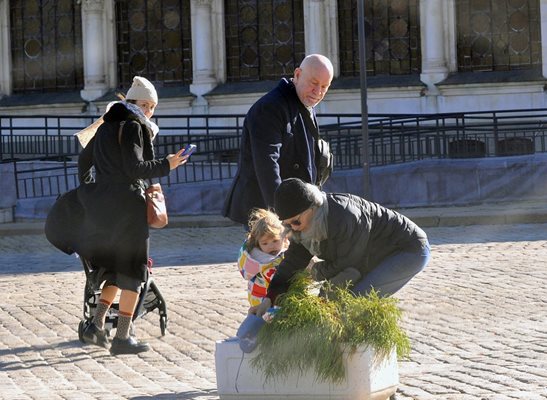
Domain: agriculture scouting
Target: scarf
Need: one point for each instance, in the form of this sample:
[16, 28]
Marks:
[143, 119]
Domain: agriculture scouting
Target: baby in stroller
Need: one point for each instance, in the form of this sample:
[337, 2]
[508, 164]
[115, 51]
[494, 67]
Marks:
[150, 298]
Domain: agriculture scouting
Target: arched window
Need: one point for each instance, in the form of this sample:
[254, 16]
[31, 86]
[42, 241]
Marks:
[392, 32]
[154, 41]
[264, 38]
[46, 45]
[498, 35]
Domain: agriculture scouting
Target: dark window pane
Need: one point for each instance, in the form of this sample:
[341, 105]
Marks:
[264, 39]
[498, 35]
[392, 32]
[46, 45]
[154, 40]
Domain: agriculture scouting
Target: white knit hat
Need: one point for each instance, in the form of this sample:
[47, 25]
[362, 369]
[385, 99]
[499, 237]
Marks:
[142, 89]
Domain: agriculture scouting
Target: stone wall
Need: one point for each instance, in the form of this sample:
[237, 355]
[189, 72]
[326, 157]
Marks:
[416, 184]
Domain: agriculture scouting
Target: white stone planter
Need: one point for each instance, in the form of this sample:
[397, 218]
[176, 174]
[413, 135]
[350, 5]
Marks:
[365, 380]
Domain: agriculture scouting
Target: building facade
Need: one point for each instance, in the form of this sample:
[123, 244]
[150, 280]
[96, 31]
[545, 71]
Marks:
[219, 56]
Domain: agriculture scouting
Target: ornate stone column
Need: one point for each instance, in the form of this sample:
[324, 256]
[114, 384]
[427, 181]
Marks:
[94, 49]
[543, 22]
[433, 38]
[5, 49]
[208, 42]
[321, 29]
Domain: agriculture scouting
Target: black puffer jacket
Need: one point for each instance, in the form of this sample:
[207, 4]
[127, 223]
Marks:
[360, 234]
[113, 230]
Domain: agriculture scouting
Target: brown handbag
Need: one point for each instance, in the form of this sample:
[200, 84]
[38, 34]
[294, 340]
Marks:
[156, 210]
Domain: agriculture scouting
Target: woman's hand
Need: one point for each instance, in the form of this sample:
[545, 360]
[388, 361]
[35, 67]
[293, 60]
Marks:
[261, 309]
[176, 160]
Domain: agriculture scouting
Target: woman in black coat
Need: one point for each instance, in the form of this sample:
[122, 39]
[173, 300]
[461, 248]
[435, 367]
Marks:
[114, 230]
[359, 242]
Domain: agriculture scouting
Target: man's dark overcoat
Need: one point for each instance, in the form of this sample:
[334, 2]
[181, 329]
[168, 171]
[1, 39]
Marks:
[279, 141]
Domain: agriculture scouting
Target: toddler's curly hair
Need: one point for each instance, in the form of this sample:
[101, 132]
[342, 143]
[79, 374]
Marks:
[262, 222]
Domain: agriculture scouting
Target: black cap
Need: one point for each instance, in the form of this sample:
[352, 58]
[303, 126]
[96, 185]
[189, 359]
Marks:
[293, 197]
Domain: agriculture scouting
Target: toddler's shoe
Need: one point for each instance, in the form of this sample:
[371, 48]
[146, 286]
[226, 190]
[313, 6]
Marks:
[248, 332]
[128, 346]
[94, 335]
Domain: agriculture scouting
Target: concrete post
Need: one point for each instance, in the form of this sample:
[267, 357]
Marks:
[94, 49]
[203, 45]
[321, 30]
[543, 22]
[5, 50]
[434, 64]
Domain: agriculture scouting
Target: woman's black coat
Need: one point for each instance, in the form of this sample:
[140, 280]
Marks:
[113, 231]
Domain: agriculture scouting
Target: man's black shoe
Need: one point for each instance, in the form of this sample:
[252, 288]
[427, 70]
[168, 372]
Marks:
[127, 346]
[94, 335]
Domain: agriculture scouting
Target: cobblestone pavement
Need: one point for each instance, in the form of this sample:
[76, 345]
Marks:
[477, 318]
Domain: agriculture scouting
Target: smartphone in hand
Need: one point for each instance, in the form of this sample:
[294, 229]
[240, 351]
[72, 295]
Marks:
[189, 149]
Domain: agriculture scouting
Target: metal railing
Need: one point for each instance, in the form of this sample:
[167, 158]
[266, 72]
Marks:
[52, 138]
[49, 149]
[405, 138]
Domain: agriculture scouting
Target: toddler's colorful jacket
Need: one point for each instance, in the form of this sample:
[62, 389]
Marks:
[258, 269]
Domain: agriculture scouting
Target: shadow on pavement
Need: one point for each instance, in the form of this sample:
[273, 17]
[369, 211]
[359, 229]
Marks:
[15, 263]
[486, 233]
[181, 395]
[38, 360]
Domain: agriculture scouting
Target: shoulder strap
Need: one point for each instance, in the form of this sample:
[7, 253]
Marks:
[120, 132]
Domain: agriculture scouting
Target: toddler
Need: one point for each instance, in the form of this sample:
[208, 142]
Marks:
[261, 252]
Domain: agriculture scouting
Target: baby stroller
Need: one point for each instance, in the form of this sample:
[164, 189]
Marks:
[150, 298]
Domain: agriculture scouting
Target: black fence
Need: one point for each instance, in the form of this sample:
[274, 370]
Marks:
[44, 149]
[405, 138]
[52, 138]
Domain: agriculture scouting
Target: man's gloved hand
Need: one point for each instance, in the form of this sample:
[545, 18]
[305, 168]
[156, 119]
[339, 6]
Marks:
[344, 279]
[316, 273]
[349, 276]
[261, 309]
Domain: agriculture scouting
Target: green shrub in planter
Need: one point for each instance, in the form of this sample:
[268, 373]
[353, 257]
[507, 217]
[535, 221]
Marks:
[314, 332]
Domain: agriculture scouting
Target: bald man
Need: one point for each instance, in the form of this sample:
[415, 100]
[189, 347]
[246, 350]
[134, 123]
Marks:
[279, 141]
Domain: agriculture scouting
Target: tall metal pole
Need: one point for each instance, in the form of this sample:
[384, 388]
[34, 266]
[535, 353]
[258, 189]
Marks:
[365, 153]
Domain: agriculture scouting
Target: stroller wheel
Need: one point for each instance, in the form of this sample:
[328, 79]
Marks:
[163, 324]
[81, 328]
